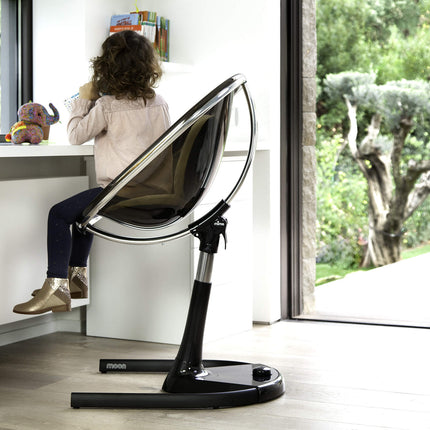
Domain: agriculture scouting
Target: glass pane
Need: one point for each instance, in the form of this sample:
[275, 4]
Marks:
[373, 152]
[8, 64]
[1, 69]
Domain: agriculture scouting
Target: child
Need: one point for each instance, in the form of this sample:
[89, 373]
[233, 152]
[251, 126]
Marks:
[121, 111]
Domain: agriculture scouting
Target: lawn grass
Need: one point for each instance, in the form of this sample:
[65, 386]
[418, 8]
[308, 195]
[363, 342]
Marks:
[409, 253]
[328, 273]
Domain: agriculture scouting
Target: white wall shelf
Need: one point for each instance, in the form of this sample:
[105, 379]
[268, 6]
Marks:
[45, 150]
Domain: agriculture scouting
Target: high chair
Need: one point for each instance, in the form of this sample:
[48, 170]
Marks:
[186, 157]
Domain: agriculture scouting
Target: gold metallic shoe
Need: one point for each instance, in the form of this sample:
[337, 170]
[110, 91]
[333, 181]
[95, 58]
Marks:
[53, 296]
[78, 283]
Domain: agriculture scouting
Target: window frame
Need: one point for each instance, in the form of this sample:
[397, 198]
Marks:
[16, 59]
[291, 158]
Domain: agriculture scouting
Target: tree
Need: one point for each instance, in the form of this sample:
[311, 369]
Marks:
[388, 37]
[356, 34]
[396, 186]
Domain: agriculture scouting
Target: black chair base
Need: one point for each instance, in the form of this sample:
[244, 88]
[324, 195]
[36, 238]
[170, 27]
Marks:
[219, 384]
[193, 383]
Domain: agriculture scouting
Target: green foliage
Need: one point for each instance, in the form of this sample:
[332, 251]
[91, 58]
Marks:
[406, 57]
[395, 100]
[358, 34]
[348, 85]
[376, 53]
[341, 208]
[388, 38]
[400, 100]
[417, 149]
[344, 30]
[417, 227]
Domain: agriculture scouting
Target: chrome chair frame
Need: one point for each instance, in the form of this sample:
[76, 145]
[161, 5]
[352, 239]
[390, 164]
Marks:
[191, 382]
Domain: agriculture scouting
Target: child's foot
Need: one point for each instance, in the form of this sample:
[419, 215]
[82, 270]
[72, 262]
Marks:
[53, 296]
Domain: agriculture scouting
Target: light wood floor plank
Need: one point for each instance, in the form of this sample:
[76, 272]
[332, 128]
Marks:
[338, 376]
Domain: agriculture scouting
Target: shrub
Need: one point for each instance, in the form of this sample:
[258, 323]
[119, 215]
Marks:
[341, 207]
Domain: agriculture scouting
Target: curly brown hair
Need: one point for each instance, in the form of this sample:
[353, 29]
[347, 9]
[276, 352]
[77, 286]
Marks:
[128, 67]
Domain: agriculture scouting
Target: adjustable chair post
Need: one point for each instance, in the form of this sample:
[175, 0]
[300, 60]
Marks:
[188, 363]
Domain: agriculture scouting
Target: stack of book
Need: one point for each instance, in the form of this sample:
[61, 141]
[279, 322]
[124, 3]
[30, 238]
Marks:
[155, 28]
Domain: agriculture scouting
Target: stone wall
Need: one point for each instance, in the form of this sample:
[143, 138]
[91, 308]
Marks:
[309, 63]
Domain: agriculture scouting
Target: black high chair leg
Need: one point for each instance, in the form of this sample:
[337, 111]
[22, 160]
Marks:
[193, 383]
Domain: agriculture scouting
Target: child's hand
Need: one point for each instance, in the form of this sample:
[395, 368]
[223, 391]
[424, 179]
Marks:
[87, 92]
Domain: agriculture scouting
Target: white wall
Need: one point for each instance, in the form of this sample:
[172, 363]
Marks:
[223, 38]
[218, 39]
[67, 34]
[214, 40]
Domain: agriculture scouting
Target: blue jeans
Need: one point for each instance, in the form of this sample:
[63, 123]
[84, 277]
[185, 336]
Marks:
[68, 247]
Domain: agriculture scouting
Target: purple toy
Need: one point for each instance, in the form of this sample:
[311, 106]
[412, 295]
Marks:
[32, 117]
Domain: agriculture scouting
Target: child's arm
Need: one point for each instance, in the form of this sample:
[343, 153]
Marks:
[87, 120]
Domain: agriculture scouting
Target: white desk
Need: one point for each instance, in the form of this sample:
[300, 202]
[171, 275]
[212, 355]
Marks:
[32, 179]
[45, 150]
[136, 292]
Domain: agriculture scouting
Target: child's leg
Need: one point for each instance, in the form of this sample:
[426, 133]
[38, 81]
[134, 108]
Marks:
[78, 276]
[81, 246]
[55, 294]
[61, 217]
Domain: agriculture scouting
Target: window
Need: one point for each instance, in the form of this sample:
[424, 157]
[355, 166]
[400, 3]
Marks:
[16, 59]
[291, 157]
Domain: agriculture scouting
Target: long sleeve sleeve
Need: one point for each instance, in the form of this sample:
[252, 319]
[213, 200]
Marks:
[87, 120]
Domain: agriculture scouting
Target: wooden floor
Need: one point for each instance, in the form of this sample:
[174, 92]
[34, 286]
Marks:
[338, 376]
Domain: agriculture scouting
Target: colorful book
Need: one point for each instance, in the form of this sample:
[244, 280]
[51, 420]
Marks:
[149, 30]
[116, 28]
[164, 39]
[157, 43]
[148, 21]
[126, 19]
[154, 28]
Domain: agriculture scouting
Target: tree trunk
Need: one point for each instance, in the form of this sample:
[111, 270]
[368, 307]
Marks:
[389, 208]
[384, 240]
[393, 194]
[383, 247]
[386, 212]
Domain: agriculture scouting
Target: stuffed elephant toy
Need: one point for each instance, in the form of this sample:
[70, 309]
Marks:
[32, 117]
